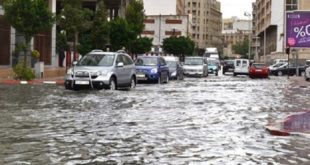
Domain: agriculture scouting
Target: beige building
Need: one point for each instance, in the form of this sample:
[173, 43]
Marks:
[206, 21]
[235, 30]
[268, 27]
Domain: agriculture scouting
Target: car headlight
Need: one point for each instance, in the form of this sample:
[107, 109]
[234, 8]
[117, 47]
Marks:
[154, 70]
[70, 71]
[102, 73]
[174, 73]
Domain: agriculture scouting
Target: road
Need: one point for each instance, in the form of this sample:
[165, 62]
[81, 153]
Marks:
[213, 120]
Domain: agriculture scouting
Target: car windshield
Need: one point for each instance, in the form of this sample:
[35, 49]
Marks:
[97, 60]
[259, 66]
[212, 63]
[229, 62]
[146, 61]
[171, 64]
[193, 61]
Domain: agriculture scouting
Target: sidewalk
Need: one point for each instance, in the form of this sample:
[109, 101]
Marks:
[51, 75]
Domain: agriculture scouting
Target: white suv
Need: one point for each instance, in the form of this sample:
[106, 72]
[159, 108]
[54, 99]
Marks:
[99, 69]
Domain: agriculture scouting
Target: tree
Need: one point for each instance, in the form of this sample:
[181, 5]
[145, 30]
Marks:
[135, 16]
[179, 45]
[120, 34]
[141, 45]
[74, 19]
[241, 48]
[28, 17]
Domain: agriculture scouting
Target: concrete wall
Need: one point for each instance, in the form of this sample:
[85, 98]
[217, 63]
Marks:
[277, 18]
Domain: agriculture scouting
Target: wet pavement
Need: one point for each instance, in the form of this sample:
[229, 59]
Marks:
[213, 120]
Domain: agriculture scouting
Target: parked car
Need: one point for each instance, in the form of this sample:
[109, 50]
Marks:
[228, 66]
[276, 65]
[258, 70]
[307, 71]
[195, 66]
[175, 68]
[99, 69]
[213, 66]
[241, 67]
[307, 74]
[287, 69]
[152, 68]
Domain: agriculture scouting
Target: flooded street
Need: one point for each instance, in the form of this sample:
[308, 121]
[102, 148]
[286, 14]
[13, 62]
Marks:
[213, 120]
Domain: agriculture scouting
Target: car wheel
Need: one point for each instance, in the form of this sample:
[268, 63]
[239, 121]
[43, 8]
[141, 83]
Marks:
[159, 79]
[167, 79]
[279, 73]
[302, 73]
[235, 74]
[133, 83]
[216, 73]
[112, 85]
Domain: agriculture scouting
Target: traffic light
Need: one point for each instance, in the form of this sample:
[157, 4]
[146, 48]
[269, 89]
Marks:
[287, 50]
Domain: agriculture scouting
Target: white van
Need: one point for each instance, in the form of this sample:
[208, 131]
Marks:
[241, 67]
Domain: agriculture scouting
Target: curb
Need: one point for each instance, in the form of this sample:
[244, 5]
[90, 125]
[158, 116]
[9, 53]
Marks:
[32, 82]
[292, 125]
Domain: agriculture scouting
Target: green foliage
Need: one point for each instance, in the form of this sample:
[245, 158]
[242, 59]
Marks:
[241, 48]
[141, 45]
[23, 72]
[35, 54]
[28, 17]
[61, 42]
[178, 45]
[100, 28]
[120, 34]
[135, 16]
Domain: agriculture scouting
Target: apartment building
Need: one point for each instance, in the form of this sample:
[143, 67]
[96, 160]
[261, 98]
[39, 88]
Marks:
[159, 27]
[235, 30]
[206, 21]
[268, 26]
[45, 42]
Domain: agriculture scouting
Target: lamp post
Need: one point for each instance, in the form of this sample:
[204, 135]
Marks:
[250, 34]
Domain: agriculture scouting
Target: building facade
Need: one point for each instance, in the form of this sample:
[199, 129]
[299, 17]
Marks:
[206, 21]
[159, 27]
[235, 30]
[269, 26]
[45, 42]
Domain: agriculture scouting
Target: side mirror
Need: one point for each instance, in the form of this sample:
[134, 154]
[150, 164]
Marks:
[120, 65]
[74, 63]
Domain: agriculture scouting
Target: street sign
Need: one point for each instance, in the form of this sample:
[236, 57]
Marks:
[298, 29]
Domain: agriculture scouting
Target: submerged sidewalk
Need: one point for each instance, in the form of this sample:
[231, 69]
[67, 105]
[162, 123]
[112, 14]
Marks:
[51, 75]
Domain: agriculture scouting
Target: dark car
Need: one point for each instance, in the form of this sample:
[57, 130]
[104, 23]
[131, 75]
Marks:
[152, 68]
[228, 66]
[290, 69]
[175, 69]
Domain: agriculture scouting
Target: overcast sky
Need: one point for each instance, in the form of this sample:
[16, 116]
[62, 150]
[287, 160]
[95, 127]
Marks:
[229, 7]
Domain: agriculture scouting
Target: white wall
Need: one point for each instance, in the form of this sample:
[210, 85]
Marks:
[277, 18]
[160, 27]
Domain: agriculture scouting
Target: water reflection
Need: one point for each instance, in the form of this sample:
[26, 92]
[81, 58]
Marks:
[217, 120]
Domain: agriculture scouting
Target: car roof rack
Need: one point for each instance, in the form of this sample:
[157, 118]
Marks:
[97, 50]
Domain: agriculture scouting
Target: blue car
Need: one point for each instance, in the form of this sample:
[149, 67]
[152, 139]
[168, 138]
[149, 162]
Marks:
[213, 66]
[152, 68]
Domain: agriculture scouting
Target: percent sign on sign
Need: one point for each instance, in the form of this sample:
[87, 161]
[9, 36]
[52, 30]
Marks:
[302, 31]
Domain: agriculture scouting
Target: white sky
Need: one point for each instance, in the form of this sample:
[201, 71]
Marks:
[229, 7]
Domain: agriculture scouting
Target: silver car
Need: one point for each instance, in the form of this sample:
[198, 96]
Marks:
[195, 66]
[98, 69]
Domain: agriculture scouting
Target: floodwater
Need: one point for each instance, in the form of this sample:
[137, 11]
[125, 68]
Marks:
[214, 120]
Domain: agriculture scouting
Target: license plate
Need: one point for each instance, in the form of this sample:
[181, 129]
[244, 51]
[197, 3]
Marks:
[82, 82]
[258, 70]
[140, 75]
